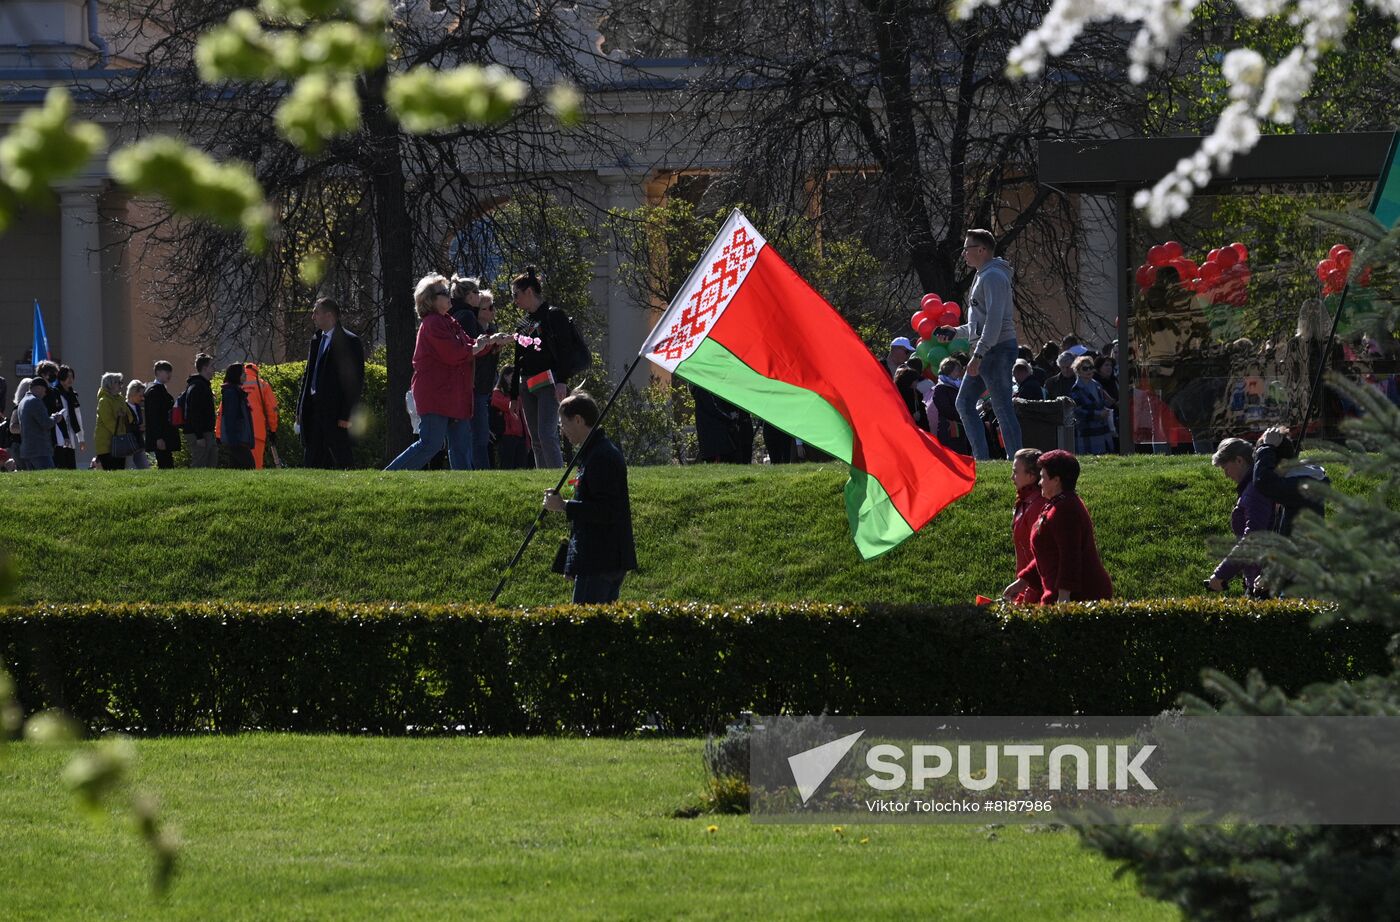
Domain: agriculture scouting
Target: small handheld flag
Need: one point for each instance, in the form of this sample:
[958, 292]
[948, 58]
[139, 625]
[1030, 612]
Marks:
[542, 381]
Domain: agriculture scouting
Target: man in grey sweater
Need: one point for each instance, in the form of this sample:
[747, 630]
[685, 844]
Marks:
[36, 426]
[991, 329]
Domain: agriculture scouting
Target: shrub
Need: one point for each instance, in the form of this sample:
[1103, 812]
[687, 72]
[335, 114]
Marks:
[395, 669]
[371, 430]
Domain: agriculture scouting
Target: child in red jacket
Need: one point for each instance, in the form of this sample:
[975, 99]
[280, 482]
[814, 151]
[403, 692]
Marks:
[508, 425]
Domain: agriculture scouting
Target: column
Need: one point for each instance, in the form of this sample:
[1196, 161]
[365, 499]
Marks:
[629, 321]
[80, 288]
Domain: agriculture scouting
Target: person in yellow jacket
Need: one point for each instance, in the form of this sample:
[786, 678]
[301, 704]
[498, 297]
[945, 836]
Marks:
[263, 402]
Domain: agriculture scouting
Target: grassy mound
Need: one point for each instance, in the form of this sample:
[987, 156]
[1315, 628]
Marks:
[716, 534]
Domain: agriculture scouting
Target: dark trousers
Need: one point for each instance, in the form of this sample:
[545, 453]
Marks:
[65, 458]
[597, 588]
[325, 444]
[240, 457]
[782, 448]
[512, 453]
[111, 462]
[164, 459]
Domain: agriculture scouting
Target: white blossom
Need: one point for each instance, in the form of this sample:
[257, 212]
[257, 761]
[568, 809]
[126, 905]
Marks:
[1244, 68]
[1257, 91]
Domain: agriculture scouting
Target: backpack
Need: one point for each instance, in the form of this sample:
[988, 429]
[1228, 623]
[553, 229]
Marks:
[177, 410]
[571, 352]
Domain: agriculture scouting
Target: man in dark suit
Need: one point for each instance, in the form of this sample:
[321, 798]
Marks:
[601, 547]
[330, 389]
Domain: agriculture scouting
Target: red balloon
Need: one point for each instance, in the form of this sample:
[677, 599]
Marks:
[930, 301]
[1325, 268]
[1337, 279]
[1173, 249]
[1157, 256]
[1226, 258]
[926, 327]
[1185, 268]
[1336, 251]
[917, 319]
[1146, 275]
[1241, 251]
[1210, 257]
[1343, 260]
[951, 315]
[1209, 271]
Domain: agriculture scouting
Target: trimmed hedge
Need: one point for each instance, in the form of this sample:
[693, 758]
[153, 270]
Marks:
[418, 668]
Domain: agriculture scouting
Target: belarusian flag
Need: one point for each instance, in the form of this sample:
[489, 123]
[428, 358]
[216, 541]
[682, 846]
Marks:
[749, 329]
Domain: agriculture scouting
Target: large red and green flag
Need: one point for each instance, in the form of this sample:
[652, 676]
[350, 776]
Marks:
[747, 328]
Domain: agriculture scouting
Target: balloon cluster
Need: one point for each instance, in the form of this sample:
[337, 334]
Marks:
[1332, 272]
[1223, 277]
[933, 313]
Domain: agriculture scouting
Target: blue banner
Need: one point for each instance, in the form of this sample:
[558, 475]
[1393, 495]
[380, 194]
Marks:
[41, 339]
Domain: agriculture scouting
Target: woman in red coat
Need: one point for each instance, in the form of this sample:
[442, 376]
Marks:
[1065, 565]
[443, 369]
[1025, 474]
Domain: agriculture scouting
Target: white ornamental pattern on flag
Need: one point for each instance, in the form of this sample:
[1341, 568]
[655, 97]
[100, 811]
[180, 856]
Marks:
[700, 303]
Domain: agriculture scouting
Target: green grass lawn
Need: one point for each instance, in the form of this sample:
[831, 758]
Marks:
[715, 534]
[287, 827]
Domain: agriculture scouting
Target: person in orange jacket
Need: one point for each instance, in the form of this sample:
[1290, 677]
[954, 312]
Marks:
[263, 402]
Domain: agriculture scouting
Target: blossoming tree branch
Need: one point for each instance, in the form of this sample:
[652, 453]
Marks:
[316, 48]
[1258, 91]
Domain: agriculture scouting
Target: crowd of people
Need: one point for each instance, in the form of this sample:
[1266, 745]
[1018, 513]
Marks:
[1067, 369]
[472, 413]
[137, 421]
[467, 411]
[462, 398]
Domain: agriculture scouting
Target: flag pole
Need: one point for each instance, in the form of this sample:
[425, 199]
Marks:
[539, 517]
[1316, 388]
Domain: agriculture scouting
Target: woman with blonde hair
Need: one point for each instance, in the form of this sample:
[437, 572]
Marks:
[1093, 435]
[443, 373]
[135, 401]
[113, 424]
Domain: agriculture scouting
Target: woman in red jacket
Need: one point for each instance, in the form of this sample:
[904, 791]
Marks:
[443, 369]
[1065, 566]
[1025, 474]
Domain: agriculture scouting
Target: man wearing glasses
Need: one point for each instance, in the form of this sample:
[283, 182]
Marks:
[991, 328]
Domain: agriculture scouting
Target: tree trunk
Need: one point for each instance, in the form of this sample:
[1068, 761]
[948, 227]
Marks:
[892, 29]
[394, 240]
